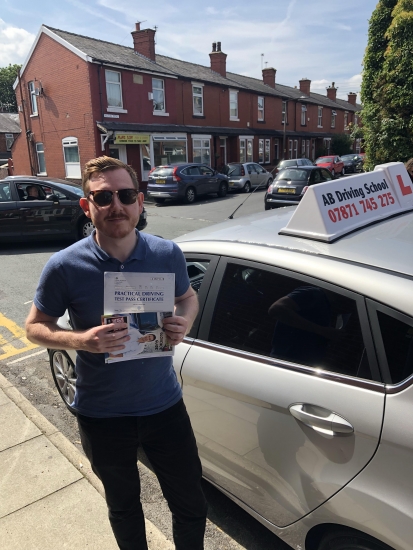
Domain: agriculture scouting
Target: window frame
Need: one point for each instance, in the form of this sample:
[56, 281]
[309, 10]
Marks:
[201, 148]
[209, 308]
[9, 144]
[197, 95]
[261, 144]
[345, 120]
[261, 110]
[33, 98]
[232, 94]
[67, 142]
[303, 114]
[267, 151]
[38, 154]
[319, 116]
[107, 81]
[333, 118]
[284, 112]
[158, 111]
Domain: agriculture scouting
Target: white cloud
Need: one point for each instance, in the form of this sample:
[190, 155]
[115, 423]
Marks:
[15, 44]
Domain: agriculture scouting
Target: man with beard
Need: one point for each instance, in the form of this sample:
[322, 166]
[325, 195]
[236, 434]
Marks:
[125, 404]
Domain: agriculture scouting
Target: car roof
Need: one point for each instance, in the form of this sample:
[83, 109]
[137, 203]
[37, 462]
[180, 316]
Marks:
[298, 168]
[34, 179]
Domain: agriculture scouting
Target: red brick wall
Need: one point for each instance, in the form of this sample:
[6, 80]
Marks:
[65, 108]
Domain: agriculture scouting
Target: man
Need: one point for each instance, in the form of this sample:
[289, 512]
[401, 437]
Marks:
[125, 404]
[32, 193]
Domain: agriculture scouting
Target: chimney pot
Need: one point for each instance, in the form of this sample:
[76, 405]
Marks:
[218, 60]
[218, 46]
[214, 46]
[137, 26]
[144, 42]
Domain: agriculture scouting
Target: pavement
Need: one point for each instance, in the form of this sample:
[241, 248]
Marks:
[49, 496]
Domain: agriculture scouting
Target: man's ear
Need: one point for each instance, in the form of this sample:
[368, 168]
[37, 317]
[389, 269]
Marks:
[84, 204]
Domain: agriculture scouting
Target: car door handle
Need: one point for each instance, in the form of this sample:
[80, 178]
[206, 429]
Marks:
[320, 419]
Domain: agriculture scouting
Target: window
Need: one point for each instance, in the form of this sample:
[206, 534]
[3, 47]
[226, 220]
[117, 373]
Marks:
[201, 151]
[333, 119]
[284, 114]
[233, 105]
[397, 333]
[345, 120]
[267, 150]
[249, 150]
[242, 152]
[40, 159]
[303, 147]
[320, 117]
[33, 98]
[326, 144]
[249, 316]
[276, 150]
[261, 150]
[290, 148]
[295, 148]
[303, 115]
[168, 149]
[9, 141]
[5, 194]
[260, 108]
[158, 92]
[71, 157]
[307, 145]
[113, 89]
[198, 99]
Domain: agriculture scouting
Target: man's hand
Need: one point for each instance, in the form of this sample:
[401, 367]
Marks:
[175, 328]
[103, 339]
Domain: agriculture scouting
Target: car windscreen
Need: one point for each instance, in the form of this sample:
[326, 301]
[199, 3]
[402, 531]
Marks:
[323, 160]
[289, 174]
[232, 169]
[286, 163]
[348, 157]
[71, 188]
[162, 172]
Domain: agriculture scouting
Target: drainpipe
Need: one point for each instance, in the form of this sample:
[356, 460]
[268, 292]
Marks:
[27, 132]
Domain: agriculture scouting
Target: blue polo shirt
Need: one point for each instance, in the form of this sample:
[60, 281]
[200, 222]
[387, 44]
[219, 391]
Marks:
[73, 279]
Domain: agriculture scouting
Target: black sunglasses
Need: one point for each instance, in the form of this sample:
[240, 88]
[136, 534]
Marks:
[104, 198]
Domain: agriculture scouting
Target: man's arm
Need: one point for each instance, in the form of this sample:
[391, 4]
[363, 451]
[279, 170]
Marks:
[43, 329]
[186, 309]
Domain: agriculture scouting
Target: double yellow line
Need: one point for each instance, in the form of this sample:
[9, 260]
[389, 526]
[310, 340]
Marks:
[17, 336]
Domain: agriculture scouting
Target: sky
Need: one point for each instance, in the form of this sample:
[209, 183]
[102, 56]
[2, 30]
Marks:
[322, 40]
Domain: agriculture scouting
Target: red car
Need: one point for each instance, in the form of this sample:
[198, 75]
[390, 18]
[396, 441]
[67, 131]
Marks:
[333, 163]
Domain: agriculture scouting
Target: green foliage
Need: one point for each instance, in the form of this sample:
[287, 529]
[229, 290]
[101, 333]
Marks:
[341, 144]
[387, 88]
[7, 96]
[356, 131]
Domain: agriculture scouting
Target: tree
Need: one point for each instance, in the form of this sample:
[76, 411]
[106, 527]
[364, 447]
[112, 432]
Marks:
[341, 144]
[387, 87]
[7, 96]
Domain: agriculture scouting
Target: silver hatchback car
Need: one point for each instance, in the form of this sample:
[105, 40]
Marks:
[246, 176]
[298, 372]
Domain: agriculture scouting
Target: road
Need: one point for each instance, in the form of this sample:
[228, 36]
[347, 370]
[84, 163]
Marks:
[229, 527]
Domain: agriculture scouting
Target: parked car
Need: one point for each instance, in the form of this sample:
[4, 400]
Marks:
[185, 181]
[290, 184]
[333, 163]
[54, 212]
[246, 176]
[352, 163]
[298, 371]
[292, 162]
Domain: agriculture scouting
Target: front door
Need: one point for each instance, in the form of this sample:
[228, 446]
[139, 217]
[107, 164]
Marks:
[118, 152]
[146, 165]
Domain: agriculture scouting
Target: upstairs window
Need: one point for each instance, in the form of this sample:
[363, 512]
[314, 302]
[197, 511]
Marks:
[158, 91]
[333, 119]
[345, 120]
[113, 89]
[233, 105]
[320, 117]
[33, 98]
[284, 118]
[303, 115]
[260, 108]
[198, 100]
[71, 157]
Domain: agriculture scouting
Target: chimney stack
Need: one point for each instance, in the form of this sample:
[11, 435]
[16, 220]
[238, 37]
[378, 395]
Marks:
[268, 76]
[332, 92]
[144, 41]
[218, 59]
[305, 84]
[352, 98]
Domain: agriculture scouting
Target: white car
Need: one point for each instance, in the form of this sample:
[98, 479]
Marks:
[298, 372]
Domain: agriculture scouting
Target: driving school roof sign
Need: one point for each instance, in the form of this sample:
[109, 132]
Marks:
[330, 210]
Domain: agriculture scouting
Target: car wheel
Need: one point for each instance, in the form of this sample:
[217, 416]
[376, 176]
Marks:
[269, 182]
[159, 200]
[247, 187]
[333, 173]
[343, 172]
[350, 540]
[190, 195]
[223, 189]
[64, 376]
[267, 206]
[85, 228]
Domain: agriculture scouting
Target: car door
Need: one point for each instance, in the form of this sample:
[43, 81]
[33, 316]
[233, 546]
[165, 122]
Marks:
[325, 175]
[280, 433]
[10, 220]
[194, 178]
[261, 175]
[252, 174]
[210, 179]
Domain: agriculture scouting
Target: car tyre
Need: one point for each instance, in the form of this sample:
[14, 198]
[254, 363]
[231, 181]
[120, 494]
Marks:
[223, 189]
[247, 187]
[267, 206]
[159, 200]
[333, 173]
[190, 195]
[343, 172]
[64, 376]
[350, 540]
[85, 228]
[269, 182]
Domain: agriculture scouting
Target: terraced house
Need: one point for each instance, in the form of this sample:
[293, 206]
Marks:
[80, 97]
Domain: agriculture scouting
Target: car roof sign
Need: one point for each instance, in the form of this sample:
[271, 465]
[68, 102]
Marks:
[333, 209]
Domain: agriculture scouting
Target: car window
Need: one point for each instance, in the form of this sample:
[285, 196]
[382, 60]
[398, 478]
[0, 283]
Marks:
[162, 172]
[205, 171]
[326, 175]
[290, 174]
[233, 170]
[5, 194]
[398, 345]
[316, 176]
[289, 319]
[191, 171]
[259, 169]
[53, 191]
[250, 169]
[196, 271]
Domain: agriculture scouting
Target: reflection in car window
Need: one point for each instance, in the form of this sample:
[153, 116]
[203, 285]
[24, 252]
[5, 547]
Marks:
[53, 191]
[5, 194]
[282, 317]
[196, 271]
[293, 174]
[398, 344]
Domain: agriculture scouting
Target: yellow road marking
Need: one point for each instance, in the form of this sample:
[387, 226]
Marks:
[17, 333]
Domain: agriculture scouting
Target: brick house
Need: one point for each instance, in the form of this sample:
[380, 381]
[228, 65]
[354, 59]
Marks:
[80, 97]
[9, 131]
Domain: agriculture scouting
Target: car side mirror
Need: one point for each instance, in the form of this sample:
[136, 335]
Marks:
[53, 198]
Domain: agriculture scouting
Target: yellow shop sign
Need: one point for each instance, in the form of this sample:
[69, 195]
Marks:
[122, 139]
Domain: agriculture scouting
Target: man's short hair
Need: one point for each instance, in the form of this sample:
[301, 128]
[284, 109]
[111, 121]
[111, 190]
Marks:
[103, 164]
[409, 166]
[30, 187]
